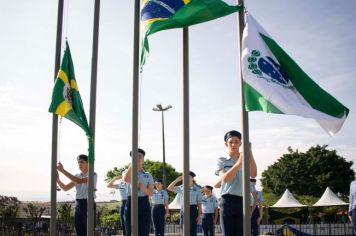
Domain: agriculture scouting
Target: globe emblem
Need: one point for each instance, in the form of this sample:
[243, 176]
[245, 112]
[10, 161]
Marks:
[67, 93]
[154, 9]
[268, 69]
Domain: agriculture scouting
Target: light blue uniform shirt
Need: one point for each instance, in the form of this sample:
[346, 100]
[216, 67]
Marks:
[233, 187]
[209, 204]
[159, 197]
[252, 189]
[82, 189]
[194, 195]
[121, 186]
[143, 177]
[259, 196]
[352, 198]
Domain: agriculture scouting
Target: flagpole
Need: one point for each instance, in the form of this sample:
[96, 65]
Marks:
[53, 223]
[186, 207]
[245, 136]
[135, 111]
[94, 67]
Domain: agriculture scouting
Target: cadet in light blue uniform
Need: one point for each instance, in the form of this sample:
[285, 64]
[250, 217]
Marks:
[229, 169]
[195, 198]
[160, 207]
[145, 186]
[210, 211]
[122, 193]
[254, 207]
[80, 182]
[352, 204]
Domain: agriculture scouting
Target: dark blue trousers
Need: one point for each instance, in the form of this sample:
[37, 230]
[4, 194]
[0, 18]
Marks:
[193, 219]
[353, 215]
[254, 225]
[122, 215]
[144, 216]
[208, 224]
[231, 215]
[158, 213]
[80, 217]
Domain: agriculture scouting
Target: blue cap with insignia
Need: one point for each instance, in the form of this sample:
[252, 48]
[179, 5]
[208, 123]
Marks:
[139, 150]
[82, 157]
[232, 133]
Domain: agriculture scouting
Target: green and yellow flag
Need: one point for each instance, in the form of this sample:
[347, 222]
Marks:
[66, 100]
[157, 15]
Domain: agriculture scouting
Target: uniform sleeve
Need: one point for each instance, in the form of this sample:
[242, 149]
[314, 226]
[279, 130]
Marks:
[199, 197]
[260, 196]
[351, 199]
[165, 195]
[220, 165]
[150, 180]
[95, 179]
[177, 189]
[252, 188]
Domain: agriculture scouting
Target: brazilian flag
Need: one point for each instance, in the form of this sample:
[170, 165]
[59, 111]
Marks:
[66, 100]
[157, 15]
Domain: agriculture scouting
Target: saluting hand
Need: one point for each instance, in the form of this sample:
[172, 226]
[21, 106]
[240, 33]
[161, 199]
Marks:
[179, 178]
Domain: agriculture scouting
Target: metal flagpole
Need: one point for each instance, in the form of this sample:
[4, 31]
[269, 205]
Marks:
[53, 223]
[186, 209]
[135, 111]
[245, 136]
[94, 66]
[164, 152]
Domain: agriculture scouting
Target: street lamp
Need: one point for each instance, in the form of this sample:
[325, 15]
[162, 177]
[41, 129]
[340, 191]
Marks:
[162, 109]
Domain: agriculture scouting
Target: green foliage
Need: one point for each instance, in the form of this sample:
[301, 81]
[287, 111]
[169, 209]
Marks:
[64, 212]
[9, 207]
[309, 173]
[110, 220]
[114, 172]
[108, 216]
[153, 167]
[269, 199]
[34, 212]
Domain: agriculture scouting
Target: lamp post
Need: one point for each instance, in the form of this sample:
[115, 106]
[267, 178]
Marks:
[162, 110]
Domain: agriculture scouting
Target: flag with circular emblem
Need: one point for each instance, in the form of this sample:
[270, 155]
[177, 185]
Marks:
[66, 99]
[157, 15]
[274, 83]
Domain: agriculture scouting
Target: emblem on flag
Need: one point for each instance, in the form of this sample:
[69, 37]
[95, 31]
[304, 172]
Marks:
[265, 67]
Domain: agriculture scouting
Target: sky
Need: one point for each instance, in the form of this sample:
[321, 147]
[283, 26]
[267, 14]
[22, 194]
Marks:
[319, 35]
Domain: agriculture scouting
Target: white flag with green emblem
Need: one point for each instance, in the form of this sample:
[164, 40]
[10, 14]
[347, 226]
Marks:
[274, 83]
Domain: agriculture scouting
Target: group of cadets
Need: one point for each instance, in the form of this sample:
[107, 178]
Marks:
[204, 210]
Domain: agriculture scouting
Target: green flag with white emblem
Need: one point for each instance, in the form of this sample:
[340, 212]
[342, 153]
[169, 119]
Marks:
[274, 83]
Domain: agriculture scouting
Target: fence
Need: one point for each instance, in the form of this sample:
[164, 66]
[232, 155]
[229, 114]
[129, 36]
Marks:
[23, 226]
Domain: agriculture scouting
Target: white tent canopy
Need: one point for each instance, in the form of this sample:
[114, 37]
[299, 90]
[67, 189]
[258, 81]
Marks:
[287, 200]
[176, 203]
[329, 199]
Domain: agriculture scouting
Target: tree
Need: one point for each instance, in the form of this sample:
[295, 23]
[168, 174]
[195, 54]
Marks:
[153, 167]
[35, 213]
[64, 212]
[9, 207]
[9, 210]
[309, 173]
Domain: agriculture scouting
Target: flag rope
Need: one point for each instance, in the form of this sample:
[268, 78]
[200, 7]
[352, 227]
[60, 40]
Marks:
[139, 108]
[66, 19]
[59, 139]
